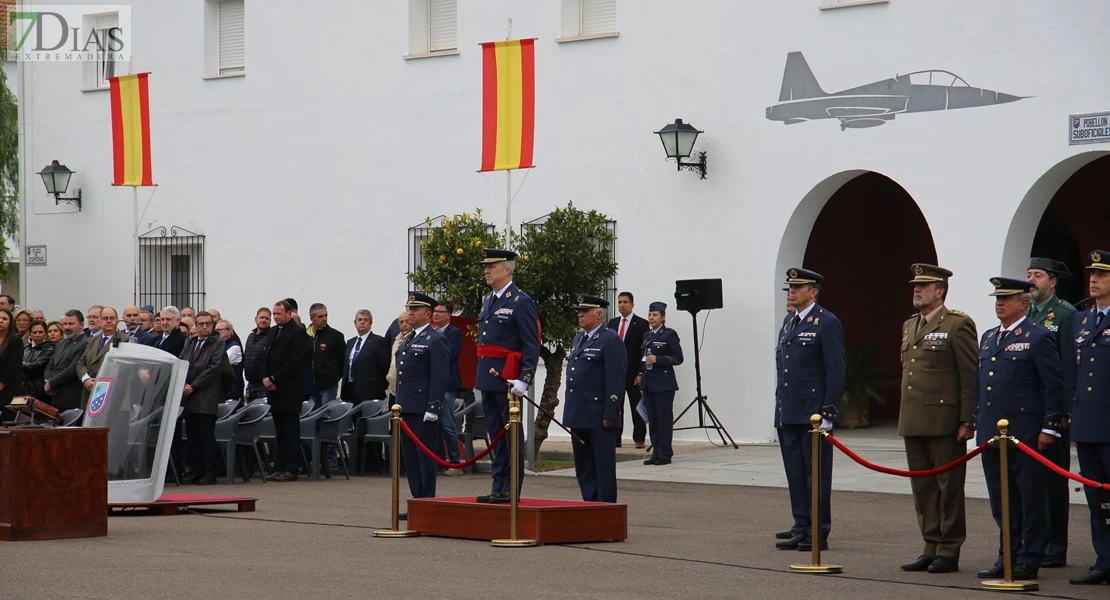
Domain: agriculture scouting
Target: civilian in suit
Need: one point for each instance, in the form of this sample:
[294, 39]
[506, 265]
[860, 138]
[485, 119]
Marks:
[365, 362]
[421, 383]
[11, 363]
[631, 329]
[1090, 406]
[1020, 380]
[595, 384]
[133, 327]
[202, 394]
[660, 352]
[283, 370]
[89, 364]
[171, 339]
[441, 322]
[61, 381]
[810, 371]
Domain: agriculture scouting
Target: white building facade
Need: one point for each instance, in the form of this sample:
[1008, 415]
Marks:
[294, 145]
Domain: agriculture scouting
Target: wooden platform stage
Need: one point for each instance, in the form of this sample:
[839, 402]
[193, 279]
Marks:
[170, 504]
[546, 521]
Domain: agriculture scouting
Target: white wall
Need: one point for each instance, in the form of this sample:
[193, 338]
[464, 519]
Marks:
[306, 173]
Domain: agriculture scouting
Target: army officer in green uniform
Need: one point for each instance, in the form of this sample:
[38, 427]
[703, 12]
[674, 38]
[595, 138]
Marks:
[939, 348]
[1057, 316]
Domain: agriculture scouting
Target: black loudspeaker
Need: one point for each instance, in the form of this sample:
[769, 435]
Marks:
[695, 295]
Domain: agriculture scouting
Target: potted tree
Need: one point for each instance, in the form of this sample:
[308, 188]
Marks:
[862, 382]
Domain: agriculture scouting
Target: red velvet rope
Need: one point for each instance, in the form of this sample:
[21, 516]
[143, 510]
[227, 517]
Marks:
[900, 472]
[1048, 463]
[443, 463]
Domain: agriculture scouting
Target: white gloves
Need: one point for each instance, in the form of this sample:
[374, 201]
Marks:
[519, 387]
[430, 417]
[825, 425]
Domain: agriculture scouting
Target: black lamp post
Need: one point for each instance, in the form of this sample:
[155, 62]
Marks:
[678, 142]
[56, 178]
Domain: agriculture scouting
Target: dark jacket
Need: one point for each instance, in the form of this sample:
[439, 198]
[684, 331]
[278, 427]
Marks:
[810, 368]
[595, 379]
[206, 369]
[11, 369]
[283, 362]
[61, 371]
[235, 376]
[328, 347]
[174, 343]
[392, 332]
[35, 359]
[422, 372]
[668, 354]
[366, 380]
[454, 348]
[254, 354]
[633, 336]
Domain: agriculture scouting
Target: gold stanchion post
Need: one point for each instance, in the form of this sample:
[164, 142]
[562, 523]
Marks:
[514, 494]
[1007, 584]
[395, 468]
[815, 508]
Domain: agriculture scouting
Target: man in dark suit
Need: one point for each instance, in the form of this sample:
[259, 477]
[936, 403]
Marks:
[631, 328]
[283, 368]
[595, 384]
[1090, 407]
[171, 339]
[365, 362]
[1019, 380]
[441, 321]
[810, 366]
[61, 372]
[98, 345]
[421, 383]
[202, 393]
[660, 352]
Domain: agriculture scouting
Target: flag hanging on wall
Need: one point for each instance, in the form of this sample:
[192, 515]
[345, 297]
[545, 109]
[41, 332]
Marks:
[131, 130]
[508, 104]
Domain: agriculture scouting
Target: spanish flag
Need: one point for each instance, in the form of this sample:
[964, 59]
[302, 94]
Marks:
[131, 130]
[508, 104]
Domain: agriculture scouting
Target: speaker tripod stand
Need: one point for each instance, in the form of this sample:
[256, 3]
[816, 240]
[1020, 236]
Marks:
[701, 399]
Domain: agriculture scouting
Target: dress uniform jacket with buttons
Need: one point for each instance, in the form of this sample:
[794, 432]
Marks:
[810, 363]
[1090, 406]
[595, 379]
[1058, 317]
[1019, 379]
[510, 322]
[422, 372]
[938, 374]
[668, 354]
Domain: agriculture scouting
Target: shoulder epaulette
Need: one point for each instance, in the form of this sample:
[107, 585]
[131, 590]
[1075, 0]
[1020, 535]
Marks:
[1064, 302]
[957, 312]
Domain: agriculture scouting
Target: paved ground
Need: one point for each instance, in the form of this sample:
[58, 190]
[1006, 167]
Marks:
[689, 540]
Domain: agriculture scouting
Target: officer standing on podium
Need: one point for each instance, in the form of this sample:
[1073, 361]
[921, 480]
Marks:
[508, 350]
[1090, 408]
[595, 394]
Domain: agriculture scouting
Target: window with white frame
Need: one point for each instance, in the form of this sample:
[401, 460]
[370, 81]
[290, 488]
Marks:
[225, 39]
[97, 72]
[588, 19]
[433, 28]
[843, 3]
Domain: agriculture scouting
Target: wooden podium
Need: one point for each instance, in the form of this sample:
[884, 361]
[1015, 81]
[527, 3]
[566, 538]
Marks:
[53, 483]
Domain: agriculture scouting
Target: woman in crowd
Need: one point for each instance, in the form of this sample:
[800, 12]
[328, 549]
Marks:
[391, 377]
[36, 354]
[662, 352]
[54, 332]
[23, 320]
[234, 355]
[11, 363]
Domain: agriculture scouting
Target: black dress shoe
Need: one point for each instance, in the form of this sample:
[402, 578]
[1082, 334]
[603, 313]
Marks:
[190, 481]
[402, 516]
[922, 563]
[943, 564]
[994, 572]
[785, 535]
[484, 499]
[663, 461]
[650, 461]
[207, 480]
[1054, 562]
[1024, 573]
[792, 543]
[1093, 577]
[806, 545]
[500, 498]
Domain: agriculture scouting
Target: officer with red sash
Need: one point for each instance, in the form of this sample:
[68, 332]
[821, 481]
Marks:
[508, 349]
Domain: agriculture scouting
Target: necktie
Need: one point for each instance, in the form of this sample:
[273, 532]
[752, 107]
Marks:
[103, 340]
[354, 355]
[1001, 334]
[196, 349]
[1098, 319]
[794, 322]
[623, 321]
[920, 323]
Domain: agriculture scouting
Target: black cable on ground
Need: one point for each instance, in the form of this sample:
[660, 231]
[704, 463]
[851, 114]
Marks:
[286, 521]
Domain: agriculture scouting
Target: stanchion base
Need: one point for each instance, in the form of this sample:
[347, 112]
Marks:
[817, 568]
[1011, 586]
[512, 543]
[396, 534]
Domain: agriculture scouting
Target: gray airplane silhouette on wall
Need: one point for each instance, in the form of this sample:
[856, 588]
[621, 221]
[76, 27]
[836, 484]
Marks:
[870, 105]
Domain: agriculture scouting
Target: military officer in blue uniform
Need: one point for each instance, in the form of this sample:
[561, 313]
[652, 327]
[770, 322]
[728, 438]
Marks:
[662, 352]
[810, 365]
[422, 371]
[595, 393]
[508, 350]
[1090, 406]
[1019, 379]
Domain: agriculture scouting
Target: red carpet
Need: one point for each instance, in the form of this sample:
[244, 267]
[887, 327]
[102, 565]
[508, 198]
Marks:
[525, 502]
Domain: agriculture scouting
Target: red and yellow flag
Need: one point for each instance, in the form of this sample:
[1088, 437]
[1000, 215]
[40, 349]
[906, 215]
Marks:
[508, 104]
[131, 130]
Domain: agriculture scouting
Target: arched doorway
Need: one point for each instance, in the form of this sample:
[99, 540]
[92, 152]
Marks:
[862, 231]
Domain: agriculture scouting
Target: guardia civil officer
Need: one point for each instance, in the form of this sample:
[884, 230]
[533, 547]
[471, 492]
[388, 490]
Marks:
[595, 393]
[1090, 406]
[508, 349]
[661, 352]
[1057, 316]
[938, 388]
[1018, 379]
[422, 372]
[810, 365]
